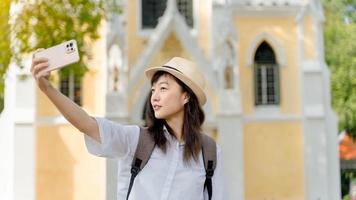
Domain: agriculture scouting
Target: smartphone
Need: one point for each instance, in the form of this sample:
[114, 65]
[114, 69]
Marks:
[60, 55]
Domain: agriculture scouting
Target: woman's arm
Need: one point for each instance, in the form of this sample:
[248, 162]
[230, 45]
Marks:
[70, 110]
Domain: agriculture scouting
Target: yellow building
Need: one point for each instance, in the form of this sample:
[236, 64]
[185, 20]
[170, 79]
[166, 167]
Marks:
[268, 99]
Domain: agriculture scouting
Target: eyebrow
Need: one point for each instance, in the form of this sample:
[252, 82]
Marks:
[162, 82]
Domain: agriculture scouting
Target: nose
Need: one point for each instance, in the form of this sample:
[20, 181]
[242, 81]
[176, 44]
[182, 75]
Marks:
[154, 96]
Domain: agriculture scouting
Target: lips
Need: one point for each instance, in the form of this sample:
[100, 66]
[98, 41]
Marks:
[156, 107]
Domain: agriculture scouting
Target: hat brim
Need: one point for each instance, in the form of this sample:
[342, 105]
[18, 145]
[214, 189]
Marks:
[194, 87]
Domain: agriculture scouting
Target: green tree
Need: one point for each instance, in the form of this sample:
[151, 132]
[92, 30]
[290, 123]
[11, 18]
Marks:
[42, 23]
[5, 53]
[340, 53]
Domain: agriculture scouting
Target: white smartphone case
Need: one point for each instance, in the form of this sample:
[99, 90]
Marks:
[60, 55]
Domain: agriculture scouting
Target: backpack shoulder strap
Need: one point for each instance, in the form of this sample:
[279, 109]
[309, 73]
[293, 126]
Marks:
[209, 156]
[143, 153]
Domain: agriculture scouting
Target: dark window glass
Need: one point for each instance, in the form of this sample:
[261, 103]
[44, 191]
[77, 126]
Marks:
[152, 10]
[64, 85]
[266, 76]
[185, 8]
[71, 87]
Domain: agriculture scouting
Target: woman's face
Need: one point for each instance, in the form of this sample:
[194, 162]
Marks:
[167, 98]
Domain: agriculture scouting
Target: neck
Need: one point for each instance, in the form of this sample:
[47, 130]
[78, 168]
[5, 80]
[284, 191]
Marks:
[176, 125]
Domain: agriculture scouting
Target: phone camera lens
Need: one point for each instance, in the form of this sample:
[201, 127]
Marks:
[67, 46]
[72, 49]
[71, 44]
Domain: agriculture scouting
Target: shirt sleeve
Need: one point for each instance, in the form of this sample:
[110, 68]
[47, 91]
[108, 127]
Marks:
[117, 140]
[218, 181]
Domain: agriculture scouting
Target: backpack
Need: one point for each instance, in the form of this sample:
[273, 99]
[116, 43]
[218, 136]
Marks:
[145, 148]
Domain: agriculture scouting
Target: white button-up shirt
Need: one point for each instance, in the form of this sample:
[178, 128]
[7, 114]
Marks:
[165, 176]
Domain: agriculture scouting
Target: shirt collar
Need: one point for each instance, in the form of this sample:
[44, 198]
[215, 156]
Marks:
[170, 137]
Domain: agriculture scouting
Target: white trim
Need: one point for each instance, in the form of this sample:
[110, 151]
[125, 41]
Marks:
[266, 3]
[310, 66]
[271, 118]
[273, 42]
[18, 135]
[319, 123]
[314, 112]
[56, 120]
[263, 11]
[24, 115]
[316, 9]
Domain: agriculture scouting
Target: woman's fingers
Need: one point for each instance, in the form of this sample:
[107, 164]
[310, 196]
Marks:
[37, 60]
[39, 67]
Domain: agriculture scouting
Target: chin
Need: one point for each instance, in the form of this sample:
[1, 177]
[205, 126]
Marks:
[158, 116]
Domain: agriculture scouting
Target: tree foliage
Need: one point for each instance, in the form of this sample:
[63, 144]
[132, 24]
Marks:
[340, 53]
[42, 23]
[5, 53]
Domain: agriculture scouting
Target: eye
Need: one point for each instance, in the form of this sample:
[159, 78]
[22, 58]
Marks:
[163, 88]
[152, 90]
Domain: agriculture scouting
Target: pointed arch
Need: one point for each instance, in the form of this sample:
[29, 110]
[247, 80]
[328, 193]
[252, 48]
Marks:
[266, 76]
[273, 42]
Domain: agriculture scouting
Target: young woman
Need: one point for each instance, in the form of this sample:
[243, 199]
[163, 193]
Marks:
[175, 170]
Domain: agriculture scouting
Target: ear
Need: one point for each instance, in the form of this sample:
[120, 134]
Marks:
[186, 98]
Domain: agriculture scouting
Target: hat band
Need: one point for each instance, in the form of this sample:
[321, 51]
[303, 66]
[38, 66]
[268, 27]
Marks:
[172, 68]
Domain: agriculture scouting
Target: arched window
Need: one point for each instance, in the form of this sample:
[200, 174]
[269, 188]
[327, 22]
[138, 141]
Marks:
[266, 76]
[152, 10]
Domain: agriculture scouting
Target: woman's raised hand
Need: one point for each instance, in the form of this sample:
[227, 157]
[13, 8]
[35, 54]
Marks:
[37, 70]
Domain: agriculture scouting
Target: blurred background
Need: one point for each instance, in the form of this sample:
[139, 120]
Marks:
[281, 91]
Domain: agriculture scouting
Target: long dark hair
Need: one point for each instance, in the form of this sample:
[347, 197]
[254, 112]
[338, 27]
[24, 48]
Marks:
[192, 121]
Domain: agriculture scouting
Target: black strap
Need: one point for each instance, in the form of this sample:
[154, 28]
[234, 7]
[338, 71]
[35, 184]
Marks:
[135, 169]
[210, 157]
[209, 173]
[143, 153]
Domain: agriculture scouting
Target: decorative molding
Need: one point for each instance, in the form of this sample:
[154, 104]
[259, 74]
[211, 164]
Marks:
[273, 42]
[314, 112]
[263, 11]
[55, 120]
[266, 3]
[223, 35]
[264, 113]
[272, 118]
[311, 66]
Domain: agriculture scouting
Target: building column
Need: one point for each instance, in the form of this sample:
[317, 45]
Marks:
[230, 128]
[321, 163]
[116, 110]
[320, 135]
[18, 136]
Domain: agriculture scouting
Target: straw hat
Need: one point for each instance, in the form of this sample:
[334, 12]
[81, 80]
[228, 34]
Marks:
[187, 72]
